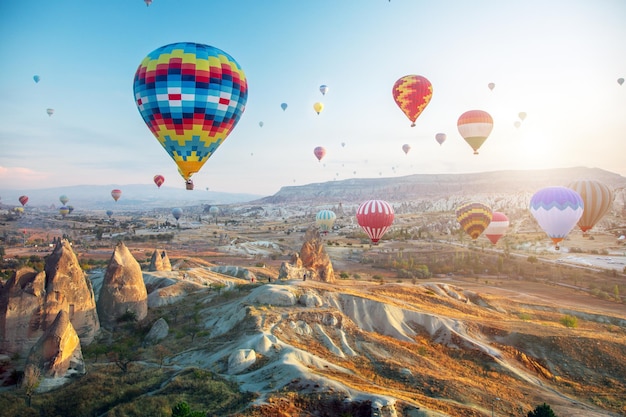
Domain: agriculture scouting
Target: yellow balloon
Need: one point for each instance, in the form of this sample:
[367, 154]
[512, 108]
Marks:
[318, 107]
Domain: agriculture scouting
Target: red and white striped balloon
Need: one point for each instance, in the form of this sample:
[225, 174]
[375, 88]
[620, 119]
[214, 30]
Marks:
[375, 217]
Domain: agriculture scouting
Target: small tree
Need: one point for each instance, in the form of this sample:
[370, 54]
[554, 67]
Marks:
[30, 381]
[182, 409]
[542, 410]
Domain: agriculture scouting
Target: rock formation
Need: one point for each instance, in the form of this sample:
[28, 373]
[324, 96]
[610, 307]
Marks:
[30, 301]
[160, 261]
[313, 261]
[58, 350]
[123, 289]
[159, 331]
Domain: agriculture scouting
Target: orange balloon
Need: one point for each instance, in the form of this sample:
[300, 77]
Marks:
[412, 94]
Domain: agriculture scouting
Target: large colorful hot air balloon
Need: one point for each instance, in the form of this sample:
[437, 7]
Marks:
[375, 217]
[23, 200]
[597, 199]
[36, 78]
[440, 138]
[475, 126]
[284, 106]
[325, 219]
[50, 112]
[557, 210]
[323, 89]
[497, 227]
[406, 148]
[64, 199]
[318, 107]
[159, 180]
[177, 212]
[412, 94]
[190, 96]
[474, 218]
[64, 211]
[116, 194]
[319, 152]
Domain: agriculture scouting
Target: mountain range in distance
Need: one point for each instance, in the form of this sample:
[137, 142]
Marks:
[395, 189]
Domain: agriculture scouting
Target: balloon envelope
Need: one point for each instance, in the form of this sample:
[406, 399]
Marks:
[50, 112]
[491, 86]
[475, 126]
[23, 200]
[497, 227]
[474, 218]
[190, 96]
[597, 199]
[323, 89]
[284, 106]
[412, 93]
[440, 138]
[36, 78]
[64, 211]
[406, 148]
[109, 213]
[325, 219]
[557, 210]
[260, 124]
[375, 217]
[319, 152]
[522, 115]
[116, 194]
[620, 81]
[177, 212]
[318, 107]
[159, 180]
[64, 199]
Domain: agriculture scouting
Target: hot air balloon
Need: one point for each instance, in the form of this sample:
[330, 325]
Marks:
[318, 107]
[36, 78]
[159, 180]
[406, 148]
[491, 86]
[148, 2]
[109, 213]
[64, 199]
[620, 81]
[71, 209]
[375, 217]
[284, 106]
[260, 124]
[325, 219]
[475, 126]
[64, 211]
[474, 218]
[597, 199]
[497, 227]
[557, 210]
[177, 212]
[323, 89]
[190, 96]
[517, 124]
[412, 94]
[319, 152]
[343, 144]
[522, 115]
[116, 194]
[23, 200]
[214, 211]
[50, 112]
[19, 210]
[440, 138]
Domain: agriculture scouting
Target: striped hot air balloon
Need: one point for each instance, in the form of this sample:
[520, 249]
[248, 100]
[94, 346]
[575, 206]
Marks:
[474, 218]
[325, 219]
[497, 227]
[375, 217]
[475, 126]
[597, 199]
[557, 210]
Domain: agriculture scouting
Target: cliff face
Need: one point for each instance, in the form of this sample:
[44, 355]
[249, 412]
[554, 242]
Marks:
[123, 289]
[31, 301]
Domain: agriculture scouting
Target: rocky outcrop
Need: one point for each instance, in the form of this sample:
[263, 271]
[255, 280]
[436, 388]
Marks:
[58, 350]
[160, 261]
[312, 263]
[123, 289]
[30, 301]
[159, 331]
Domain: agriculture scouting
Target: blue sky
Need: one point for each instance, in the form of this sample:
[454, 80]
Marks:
[558, 61]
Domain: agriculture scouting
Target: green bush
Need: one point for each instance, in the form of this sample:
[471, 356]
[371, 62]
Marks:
[569, 321]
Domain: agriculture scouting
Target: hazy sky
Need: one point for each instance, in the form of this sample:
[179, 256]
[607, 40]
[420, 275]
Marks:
[558, 61]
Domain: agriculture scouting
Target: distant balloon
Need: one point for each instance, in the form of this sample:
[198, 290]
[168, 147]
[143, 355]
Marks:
[36, 78]
[319, 152]
[64, 211]
[64, 199]
[343, 144]
[177, 212]
[116, 194]
[318, 107]
[159, 180]
[406, 148]
[475, 127]
[557, 210]
[190, 96]
[50, 112]
[71, 209]
[323, 89]
[497, 227]
[375, 217]
[148, 2]
[412, 93]
[522, 115]
[23, 200]
[620, 81]
[517, 124]
[109, 213]
[18, 209]
[214, 211]
[597, 199]
[440, 138]
[474, 218]
[260, 124]
[491, 86]
[325, 219]
[284, 106]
